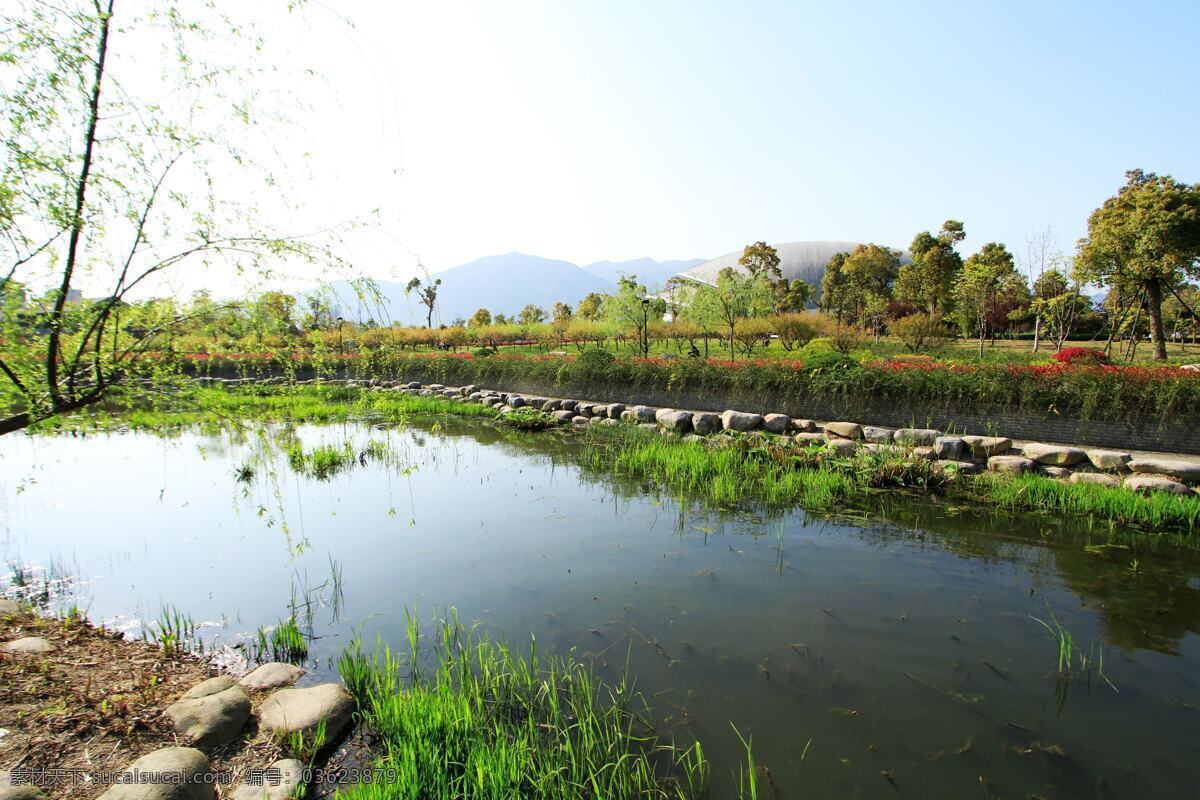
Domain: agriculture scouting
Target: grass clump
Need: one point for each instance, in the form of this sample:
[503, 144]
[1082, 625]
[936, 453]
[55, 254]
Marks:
[285, 642]
[527, 419]
[478, 720]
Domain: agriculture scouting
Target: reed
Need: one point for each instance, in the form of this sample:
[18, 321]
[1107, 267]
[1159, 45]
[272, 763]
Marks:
[479, 720]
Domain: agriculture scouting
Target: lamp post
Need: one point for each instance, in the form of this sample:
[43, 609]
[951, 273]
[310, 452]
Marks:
[341, 350]
[645, 327]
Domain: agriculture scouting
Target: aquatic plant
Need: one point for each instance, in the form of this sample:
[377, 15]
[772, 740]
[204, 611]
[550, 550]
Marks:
[479, 720]
[284, 642]
[174, 631]
[527, 419]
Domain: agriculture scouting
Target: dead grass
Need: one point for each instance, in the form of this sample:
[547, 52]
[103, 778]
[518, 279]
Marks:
[95, 703]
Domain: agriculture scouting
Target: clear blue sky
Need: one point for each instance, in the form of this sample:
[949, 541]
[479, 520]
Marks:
[612, 130]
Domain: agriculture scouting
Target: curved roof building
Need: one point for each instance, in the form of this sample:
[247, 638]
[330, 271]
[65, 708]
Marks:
[797, 260]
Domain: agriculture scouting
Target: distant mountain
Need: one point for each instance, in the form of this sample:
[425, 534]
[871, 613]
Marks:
[649, 272]
[502, 284]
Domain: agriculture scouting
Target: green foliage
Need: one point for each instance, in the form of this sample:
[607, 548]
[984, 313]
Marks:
[1144, 242]
[921, 332]
[928, 279]
[527, 419]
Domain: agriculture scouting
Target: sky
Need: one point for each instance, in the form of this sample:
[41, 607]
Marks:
[614, 130]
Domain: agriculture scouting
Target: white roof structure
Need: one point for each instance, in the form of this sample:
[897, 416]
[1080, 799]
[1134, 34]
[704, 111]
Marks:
[797, 260]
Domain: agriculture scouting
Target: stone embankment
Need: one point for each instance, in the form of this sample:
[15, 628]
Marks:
[967, 454]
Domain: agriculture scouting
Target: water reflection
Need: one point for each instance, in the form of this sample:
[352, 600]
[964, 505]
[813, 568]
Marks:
[885, 648]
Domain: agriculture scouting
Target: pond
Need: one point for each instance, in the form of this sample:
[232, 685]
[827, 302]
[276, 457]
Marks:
[900, 652]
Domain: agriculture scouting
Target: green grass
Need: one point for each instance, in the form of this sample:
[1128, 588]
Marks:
[779, 474]
[478, 720]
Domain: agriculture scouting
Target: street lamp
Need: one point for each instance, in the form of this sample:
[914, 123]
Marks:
[341, 350]
[645, 327]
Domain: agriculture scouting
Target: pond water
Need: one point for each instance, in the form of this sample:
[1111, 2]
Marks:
[868, 655]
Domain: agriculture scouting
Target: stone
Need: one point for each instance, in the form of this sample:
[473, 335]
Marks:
[10, 789]
[470, 388]
[648, 426]
[567, 405]
[924, 453]
[961, 467]
[809, 438]
[843, 447]
[776, 423]
[271, 676]
[413, 385]
[475, 397]
[282, 781]
[628, 416]
[615, 409]
[584, 409]
[599, 410]
[1094, 477]
[190, 777]
[1179, 470]
[1109, 460]
[1154, 483]
[436, 387]
[677, 421]
[984, 447]
[1053, 454]
[643, 413]
[550, 405]
[844, 430]
[740, 421]
[1052, 471]
[706, 422]
[949, 448]
[8, 606]
[516, 401]
[607, 421]
[916, 437]
[804, 425]
[563, 417]
[292, 710]
[693, 438]
[211, 713]
[877, 435]
[580, 420]
[1015, 465]
[28, 645]
[425, 393]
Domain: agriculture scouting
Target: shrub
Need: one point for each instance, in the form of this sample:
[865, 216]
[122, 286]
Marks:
[848, 339]
[595, 360]
[829, 361]
[921, 332]
[1081, 355]
[796, 330]
[752, 333]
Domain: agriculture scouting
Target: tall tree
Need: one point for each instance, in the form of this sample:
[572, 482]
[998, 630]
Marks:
[531, 315]
[836, 299]
[869, 272]
[591, 307]
[113, 175]
[733, 298]
[561, 312]
[1146, 239]
[762, 261]
[427, 292]
[928, 279]
[986, 278]
[1058, 304]
[481, 318]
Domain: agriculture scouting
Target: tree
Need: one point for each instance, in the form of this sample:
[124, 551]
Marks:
[835, 288]
[920, 332]
[591, 307]
[734, 297]
[1039, 250]
[626, 309]
[273, 314]
[481, 318]
[796, 329]
[986, 278]
[1058, 304]
[427, 292]
[531, 315]
[762, 261]
[928, 279]
[119, 182]
[1145, 239]
[561, 313]
[790, 296]
[869, 272]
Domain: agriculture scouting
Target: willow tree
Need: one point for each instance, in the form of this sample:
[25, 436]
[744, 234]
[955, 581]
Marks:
[131, 153]
[1144, 241]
